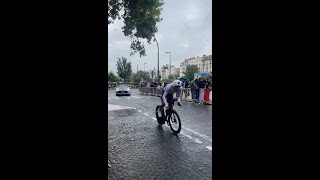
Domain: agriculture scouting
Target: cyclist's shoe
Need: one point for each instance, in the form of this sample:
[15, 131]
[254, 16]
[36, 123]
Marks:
[179, 104]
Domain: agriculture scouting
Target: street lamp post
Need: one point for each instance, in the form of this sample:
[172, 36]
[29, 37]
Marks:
[158, 60]
[144, 67]
[144, 70]
[170, 63]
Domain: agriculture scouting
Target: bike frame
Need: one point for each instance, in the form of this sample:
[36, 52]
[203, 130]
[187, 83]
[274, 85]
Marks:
[170, 108]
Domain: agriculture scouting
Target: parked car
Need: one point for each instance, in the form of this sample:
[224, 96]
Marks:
[123, 89]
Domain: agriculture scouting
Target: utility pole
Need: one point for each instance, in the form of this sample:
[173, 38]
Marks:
[158, 60]
[170, 63]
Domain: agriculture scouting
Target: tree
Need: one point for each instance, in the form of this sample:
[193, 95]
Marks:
[153, 73]
[112, 77]
[190, 70]
[137, 77]
[140, 19]
[124, 68]
[171, 77]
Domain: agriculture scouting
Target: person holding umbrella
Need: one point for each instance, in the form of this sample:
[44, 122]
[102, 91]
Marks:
[202, 85]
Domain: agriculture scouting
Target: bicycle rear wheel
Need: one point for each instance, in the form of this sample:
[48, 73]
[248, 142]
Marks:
[175, 122]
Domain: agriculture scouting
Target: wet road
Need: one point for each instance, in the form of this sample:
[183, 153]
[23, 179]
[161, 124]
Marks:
[138, 148]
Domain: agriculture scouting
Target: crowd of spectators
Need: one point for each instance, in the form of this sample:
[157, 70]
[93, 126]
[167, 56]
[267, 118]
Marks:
[200, 89]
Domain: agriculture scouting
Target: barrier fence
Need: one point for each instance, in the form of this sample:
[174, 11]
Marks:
[186, 95]
[132, 86]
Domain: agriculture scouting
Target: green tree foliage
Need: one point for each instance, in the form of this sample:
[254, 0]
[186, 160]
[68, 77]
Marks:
[112, 77]
[140, 19]
[190, 70]
[124, 68]
[171, 77]
[141, 75]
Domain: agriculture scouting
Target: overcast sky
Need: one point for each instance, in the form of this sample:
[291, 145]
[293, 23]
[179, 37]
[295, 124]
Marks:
[186, 31]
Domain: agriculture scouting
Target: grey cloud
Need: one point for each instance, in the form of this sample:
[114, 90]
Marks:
[186, 31]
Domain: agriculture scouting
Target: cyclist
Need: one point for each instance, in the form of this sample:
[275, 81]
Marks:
[167, 94]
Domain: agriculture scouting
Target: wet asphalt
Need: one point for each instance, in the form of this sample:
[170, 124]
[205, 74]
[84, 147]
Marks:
[139, 148]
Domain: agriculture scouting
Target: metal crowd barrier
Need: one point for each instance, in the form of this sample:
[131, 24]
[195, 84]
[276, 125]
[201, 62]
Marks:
[186, 94]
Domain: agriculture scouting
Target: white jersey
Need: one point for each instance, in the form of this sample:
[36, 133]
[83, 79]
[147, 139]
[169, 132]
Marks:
[169, 89]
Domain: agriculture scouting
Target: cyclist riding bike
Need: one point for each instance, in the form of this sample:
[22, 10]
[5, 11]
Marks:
[167, 94]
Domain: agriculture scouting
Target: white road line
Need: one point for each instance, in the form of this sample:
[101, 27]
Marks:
[188, 136]
[116, 98]
[201, 135]
[129, 97]
[154, 119]
[139, 110]
[146, 114]
[135, 97]
[209, 147]
[113, 107]
[198, 141]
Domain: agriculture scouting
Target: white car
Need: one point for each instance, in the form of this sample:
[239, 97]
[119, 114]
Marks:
[123, 89]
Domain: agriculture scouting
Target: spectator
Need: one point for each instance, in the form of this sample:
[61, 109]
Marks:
[207, 92]
[202, 86]
[153, 89]
[197, 88]
[207, 83]
[184, 90]
[193, 89]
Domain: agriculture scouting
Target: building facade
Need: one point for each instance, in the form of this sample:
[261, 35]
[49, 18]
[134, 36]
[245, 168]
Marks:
[165, 72]
[203, 63]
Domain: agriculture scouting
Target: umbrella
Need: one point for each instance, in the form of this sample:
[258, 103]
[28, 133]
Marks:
[205, 74]
[183, 79]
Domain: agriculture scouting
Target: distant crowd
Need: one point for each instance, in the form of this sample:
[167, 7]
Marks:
[200, 90]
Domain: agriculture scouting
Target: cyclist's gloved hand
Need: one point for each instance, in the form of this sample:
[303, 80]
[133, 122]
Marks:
[179, 104]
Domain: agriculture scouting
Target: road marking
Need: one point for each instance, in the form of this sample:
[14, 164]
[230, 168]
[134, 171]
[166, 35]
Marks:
[135, 97]
[146, 114]
[129, 97]
[201, 135]
[112, 107]
[139, 110]
[188, 136]
[209, 147]
[116, 98]
[154, 119]
[198, 141]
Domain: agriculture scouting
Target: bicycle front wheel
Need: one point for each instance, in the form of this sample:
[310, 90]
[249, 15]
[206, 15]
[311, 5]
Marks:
[174, 122]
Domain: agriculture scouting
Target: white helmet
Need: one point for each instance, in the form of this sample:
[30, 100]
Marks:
[176, 83]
